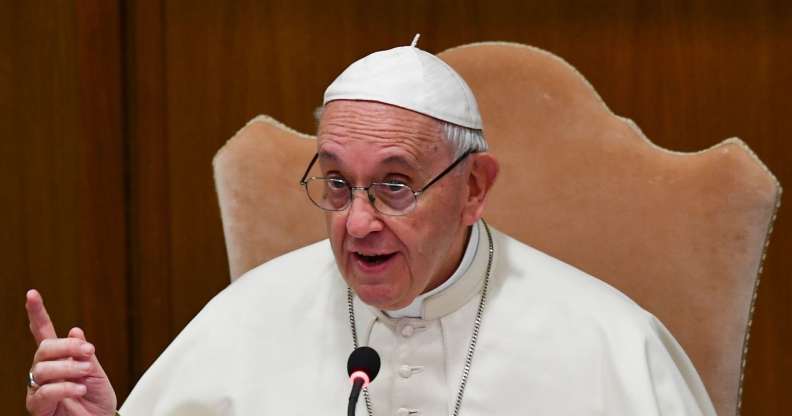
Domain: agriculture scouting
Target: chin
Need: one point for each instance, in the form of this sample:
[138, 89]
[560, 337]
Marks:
[381, 297]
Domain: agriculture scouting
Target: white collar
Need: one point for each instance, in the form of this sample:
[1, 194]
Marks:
[415, 309]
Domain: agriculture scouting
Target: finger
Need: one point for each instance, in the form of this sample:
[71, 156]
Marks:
[40, 322]
[61, 348]
[77, 333]
[47, 397]
[50, 371]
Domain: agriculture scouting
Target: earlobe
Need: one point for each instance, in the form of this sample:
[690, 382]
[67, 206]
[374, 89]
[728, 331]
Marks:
[483, 174]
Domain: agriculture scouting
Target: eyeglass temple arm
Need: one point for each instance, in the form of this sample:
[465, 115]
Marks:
[436, 178]
[443, 173]
[310, 165]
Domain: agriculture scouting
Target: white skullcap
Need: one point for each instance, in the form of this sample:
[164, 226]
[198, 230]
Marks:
[410, 78]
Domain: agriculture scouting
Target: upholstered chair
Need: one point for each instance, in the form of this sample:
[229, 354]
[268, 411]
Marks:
[683, 234]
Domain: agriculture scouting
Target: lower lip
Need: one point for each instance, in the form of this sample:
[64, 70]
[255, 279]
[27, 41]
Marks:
[369, 268]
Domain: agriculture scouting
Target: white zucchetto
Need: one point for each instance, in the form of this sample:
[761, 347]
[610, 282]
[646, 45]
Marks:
[410, 78]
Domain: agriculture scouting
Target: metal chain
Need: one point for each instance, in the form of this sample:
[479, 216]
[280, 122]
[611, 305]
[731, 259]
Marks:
[473, 337]
[351, 308]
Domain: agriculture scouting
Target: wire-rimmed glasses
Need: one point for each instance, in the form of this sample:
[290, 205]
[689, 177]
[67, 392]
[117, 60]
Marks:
[389, 198]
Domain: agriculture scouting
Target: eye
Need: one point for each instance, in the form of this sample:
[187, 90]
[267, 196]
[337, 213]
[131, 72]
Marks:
[395, 185]
[393, 195]
[397, 178]
[336, 183]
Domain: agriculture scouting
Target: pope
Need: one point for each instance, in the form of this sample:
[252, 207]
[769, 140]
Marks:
[466, 319]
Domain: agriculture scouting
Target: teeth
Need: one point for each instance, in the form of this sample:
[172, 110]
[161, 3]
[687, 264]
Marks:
[369, 255]
[373, 258]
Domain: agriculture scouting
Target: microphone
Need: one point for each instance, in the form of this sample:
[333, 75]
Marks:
[362, 366]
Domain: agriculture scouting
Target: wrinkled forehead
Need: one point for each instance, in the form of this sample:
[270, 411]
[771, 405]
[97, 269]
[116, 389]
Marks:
[345, 124]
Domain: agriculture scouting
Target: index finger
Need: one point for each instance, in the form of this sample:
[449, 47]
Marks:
[40, 323]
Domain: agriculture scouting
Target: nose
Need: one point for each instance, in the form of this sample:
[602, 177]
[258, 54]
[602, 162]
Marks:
[362, 218]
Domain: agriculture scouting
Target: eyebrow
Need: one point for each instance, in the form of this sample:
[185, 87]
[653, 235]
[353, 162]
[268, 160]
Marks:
[394, 159]
[325, 155]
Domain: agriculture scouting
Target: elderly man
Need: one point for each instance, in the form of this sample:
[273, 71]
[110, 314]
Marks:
[466, 320]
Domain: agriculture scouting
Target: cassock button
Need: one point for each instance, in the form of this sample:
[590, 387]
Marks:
[407, 331]
[405, 371]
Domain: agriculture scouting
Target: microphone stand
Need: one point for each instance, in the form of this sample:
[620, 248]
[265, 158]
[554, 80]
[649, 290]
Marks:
[362, 366]
[353, 396]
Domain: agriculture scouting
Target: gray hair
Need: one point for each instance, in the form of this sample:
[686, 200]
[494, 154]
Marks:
[462, 139]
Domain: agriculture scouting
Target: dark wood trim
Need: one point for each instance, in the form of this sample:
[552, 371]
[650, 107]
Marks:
[149, 185]
[102, 235]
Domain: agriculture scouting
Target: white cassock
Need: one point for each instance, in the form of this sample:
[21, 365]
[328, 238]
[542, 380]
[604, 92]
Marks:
[553, 341]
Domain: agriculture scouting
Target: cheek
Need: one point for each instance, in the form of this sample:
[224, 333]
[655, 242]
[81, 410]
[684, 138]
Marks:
[442, 212]
[336, 227]
[433, 226]
[414, 236]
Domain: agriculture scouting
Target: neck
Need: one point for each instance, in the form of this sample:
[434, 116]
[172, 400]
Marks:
[455, 255]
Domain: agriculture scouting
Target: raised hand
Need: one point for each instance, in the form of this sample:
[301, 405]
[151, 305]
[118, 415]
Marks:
[68, 377]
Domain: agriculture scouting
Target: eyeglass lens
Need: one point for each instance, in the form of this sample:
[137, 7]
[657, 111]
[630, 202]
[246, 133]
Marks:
[335, 195]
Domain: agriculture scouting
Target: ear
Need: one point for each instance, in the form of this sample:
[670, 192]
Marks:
[483, 172]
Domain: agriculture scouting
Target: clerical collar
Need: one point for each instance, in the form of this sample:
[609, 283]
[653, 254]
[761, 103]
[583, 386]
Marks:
[415, 309]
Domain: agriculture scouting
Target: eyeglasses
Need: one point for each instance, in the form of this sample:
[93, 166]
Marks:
[389, 198]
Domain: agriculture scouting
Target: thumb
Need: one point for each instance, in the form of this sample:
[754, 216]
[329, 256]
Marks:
[77, 333]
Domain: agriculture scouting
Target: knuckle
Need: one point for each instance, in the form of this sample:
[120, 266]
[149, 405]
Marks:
[50, 391]
[42, 393]
[74, 345]
[79, 367]
[37, 371]
[37, 355]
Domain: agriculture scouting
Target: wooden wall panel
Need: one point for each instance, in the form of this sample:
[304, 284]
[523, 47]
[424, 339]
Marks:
[102, 187]
[63, 204]
[111, 112]
[38, 174]
[197, 104]
[150, 325]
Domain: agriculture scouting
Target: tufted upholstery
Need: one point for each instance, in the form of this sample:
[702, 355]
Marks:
[683, 234]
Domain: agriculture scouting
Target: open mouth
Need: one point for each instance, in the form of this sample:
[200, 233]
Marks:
[374, 259]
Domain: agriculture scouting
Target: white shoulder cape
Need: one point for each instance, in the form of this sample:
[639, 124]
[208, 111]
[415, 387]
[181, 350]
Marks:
[553, 341]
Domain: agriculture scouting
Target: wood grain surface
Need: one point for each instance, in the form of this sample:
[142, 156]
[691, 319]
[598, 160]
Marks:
[112, 111]
[63, 171]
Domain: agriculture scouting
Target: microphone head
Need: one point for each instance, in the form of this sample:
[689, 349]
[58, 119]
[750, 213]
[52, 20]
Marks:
[364, 359]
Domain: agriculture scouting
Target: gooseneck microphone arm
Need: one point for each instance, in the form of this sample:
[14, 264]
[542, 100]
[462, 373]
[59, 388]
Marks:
[362, 366]
[357, 385]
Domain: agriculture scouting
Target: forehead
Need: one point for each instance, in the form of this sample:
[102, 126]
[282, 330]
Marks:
[381, 129]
